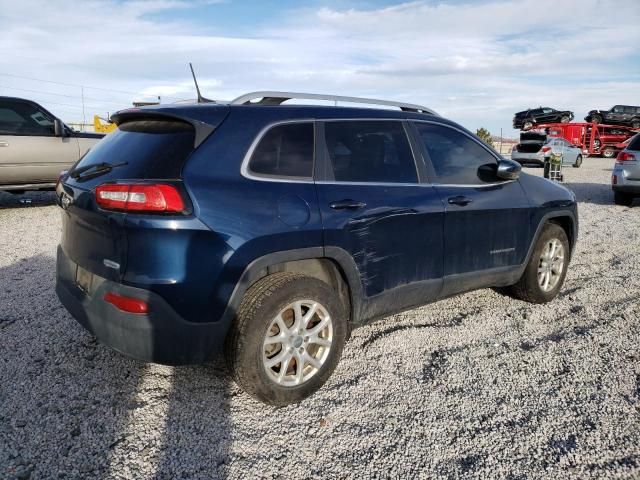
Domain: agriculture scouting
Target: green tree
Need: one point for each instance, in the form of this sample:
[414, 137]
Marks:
[484, 135]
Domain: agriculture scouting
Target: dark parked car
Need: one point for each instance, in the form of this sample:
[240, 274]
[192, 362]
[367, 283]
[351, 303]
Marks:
[269, 231]
[618, 115]
[527, 119]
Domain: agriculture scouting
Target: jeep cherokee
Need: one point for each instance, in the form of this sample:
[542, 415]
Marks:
[269, 231]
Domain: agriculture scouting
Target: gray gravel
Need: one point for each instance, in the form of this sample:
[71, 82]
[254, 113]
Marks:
[478, 386]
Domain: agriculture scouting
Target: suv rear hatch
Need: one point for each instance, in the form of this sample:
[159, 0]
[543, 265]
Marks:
[149, 148]
[531, 142]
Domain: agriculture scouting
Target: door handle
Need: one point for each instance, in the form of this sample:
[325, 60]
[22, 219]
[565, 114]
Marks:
[4, 144]
[347, 204]
[460, 200]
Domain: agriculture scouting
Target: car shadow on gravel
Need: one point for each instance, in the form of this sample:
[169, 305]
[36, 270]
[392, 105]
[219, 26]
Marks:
[71, 407]
[27, 199]
[594, 193]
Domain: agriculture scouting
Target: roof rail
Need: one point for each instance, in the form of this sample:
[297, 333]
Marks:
[276, 98]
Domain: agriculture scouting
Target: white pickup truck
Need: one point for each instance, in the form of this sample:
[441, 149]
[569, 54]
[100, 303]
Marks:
[35, 146]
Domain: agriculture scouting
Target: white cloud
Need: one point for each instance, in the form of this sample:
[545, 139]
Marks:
[477, 63]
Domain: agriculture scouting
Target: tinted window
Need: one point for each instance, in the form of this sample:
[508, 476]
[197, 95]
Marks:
[631, 110]
[285, 151]
[547, 110]
[369, 151]
[146, 150]
[618, 109]
[634, 144]
[21, 118]
[456, 158]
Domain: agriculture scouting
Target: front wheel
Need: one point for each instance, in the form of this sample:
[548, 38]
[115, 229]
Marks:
[528, 125]
[635, 123]
[578, 162]
[596, 119]
[547, 268]
[565, 119]
[287, 338]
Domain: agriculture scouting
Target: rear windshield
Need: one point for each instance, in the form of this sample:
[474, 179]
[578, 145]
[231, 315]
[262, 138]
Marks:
[634, 144]
[149, 149]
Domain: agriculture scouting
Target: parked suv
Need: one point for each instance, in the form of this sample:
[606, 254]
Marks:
[625, 178]
[618, 115]
[527, 119]
[269, 231]
[35, 146]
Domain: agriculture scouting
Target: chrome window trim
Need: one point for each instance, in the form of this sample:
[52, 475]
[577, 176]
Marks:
[246, 172]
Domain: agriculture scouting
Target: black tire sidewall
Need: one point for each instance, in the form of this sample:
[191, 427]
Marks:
[255, 380]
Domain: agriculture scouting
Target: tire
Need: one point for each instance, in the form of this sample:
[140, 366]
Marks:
[578, 162]
[546, 167]
[596, 118]
[609, 152]
[565, 119]
[247, 355]
[620, 198]
[527, 125]
[530, 287]
[635, 123]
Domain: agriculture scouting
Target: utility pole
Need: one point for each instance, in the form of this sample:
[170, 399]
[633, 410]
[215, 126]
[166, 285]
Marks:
[84, 119]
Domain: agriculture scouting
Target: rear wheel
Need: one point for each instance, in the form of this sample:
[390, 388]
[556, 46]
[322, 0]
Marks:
[635, 123]
[545, 273]
[621, 198]
[287, 338]
[564, 119]
[578, 162]
[527, 125]
[609, 152]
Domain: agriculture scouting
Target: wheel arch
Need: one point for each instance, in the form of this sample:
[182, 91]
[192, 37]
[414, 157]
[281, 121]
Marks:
[333, 266]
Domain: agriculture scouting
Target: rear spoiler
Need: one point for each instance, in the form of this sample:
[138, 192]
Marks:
[203, 123]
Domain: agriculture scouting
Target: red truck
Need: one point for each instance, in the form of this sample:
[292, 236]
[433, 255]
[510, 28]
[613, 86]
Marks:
[592, 138]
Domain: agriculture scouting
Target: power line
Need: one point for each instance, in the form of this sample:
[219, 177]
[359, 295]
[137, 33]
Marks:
[83, 86]
[42, 92]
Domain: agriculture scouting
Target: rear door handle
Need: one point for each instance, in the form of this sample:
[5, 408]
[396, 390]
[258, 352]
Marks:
[460, 200]
[347, 204]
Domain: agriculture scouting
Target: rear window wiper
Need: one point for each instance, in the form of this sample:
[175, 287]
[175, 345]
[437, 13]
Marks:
[94, 170]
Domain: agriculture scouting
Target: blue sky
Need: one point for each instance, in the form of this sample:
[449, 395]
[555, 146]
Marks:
[475, 62]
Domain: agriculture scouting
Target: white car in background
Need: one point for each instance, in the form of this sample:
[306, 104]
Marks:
[537, 151]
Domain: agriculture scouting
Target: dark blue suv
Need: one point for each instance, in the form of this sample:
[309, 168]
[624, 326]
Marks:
[269, 231]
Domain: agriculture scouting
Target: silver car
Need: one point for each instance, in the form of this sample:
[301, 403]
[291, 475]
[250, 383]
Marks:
[625, 179]
[35, 146]
[532, 152]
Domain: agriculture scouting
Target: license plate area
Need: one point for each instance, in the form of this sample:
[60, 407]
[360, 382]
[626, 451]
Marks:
[84, 279]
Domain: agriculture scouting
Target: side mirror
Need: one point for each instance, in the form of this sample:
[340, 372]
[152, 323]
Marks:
[59, 128]
[508, 169]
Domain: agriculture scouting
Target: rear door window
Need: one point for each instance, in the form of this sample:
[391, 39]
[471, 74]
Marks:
[285, 151]
[456, 158]
[634, 144]
[369, 151]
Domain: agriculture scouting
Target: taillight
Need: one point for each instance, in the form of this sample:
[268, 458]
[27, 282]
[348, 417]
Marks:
[545, 149]
[626, 157]
[126, 304]
[140, 198]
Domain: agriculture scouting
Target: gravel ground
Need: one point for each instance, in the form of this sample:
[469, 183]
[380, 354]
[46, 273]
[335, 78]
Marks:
[477, 386]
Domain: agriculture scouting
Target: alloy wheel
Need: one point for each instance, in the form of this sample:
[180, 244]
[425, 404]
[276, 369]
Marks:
[551, 265]
[297, 343]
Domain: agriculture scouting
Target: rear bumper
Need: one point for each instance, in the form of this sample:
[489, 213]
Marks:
[528, 158]
[161, 336]
[627, 178]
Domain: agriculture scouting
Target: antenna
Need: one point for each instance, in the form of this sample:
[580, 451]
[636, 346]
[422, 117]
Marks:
[201, 99]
